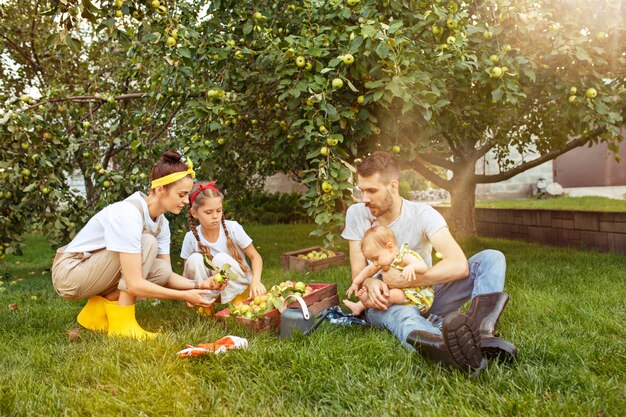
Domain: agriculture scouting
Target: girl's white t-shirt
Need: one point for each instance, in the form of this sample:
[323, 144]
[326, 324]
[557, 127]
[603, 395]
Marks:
[118, 228]
[235, 231]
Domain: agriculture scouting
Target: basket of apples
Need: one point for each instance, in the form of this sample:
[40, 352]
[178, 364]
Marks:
[263, 312]
[311, 259]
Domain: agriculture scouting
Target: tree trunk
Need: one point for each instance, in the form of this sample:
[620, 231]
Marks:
[463, 198]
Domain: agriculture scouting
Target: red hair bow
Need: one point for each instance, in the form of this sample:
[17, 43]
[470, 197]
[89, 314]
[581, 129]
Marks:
[207, 186]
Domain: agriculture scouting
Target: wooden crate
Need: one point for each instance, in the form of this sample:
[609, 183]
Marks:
[323, 297]
[290, 260]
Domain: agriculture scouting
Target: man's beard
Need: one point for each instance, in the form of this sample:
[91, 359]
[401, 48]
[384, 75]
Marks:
[384, 207]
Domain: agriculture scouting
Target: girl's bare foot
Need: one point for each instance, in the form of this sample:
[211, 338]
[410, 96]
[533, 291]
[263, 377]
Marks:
[356, 308]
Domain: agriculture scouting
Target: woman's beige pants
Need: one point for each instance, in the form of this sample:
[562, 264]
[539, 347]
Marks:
[80, 275]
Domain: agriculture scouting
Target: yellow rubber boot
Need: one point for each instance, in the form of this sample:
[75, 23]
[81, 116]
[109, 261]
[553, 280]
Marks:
[242, 297]
[122, 322]
[94, 316]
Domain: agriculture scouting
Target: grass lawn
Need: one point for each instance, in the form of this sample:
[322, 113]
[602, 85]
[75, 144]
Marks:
[559, 203]
[566, 316]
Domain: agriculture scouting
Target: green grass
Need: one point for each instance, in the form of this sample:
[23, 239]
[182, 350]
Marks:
[566, 315]
[560, 203]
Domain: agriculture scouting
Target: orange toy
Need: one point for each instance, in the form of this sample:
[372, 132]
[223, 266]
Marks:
[219, 346]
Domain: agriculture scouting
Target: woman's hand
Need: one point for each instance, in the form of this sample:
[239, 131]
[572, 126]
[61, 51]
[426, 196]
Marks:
[195, 298]
[256, 289]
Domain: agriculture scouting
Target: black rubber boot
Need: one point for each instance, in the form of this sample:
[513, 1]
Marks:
[484, 312]
[458, 345]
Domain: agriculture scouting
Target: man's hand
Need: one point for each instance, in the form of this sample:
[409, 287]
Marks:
[377, 293]
[394, 279]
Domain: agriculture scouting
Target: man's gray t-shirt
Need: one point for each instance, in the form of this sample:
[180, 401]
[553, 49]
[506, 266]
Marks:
[415, 225]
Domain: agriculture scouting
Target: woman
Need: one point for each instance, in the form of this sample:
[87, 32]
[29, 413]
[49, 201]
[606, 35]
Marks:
[123, 253]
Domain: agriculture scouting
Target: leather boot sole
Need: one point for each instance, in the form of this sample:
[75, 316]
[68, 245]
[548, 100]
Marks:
[499, 349]
[463, 341]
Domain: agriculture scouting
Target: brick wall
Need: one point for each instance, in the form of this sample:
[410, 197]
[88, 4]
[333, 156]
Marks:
[604, 231]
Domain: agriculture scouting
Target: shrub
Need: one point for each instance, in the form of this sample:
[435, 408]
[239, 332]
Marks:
[266, 208]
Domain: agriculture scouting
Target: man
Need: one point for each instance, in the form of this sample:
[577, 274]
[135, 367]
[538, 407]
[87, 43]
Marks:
[464, 341]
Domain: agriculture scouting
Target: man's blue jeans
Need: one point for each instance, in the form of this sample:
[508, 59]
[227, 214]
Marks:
[487, 271]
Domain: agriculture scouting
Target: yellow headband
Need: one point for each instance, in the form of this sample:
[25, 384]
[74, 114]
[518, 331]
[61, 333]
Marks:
[168, 179]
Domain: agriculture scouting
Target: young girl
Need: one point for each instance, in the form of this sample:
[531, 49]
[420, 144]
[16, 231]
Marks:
[223, 242]
[380, 247]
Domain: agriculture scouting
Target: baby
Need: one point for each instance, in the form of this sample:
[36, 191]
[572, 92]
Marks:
[380, 247]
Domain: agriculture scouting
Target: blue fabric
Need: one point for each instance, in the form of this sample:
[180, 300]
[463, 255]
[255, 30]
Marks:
[487, 272]
[336, 316]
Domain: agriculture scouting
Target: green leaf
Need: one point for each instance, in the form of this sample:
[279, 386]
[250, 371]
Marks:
[352, 87]
[396, 87]
[394, 26]
[330, 109]
[496, 94]
[151, 37]
[73, 43]
[369, 30]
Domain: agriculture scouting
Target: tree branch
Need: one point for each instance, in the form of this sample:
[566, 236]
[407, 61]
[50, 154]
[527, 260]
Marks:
[437, 160]
[419, 165]
[581, 140]
[24, 55]
[82, 99]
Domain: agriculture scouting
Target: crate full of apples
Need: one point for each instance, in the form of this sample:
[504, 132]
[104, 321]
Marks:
[263, 312]
[311, 259]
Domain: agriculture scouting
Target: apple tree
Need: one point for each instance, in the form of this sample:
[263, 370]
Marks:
[440, 83]
[250, 88]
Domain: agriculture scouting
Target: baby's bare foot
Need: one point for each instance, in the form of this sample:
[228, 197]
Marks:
[356, 308]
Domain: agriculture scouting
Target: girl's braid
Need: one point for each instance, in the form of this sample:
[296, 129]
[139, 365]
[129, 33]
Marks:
[192, 226]
[233, 249]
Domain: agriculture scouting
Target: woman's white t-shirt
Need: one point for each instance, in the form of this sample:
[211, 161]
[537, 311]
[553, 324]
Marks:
[235, 231]
[118, 228]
